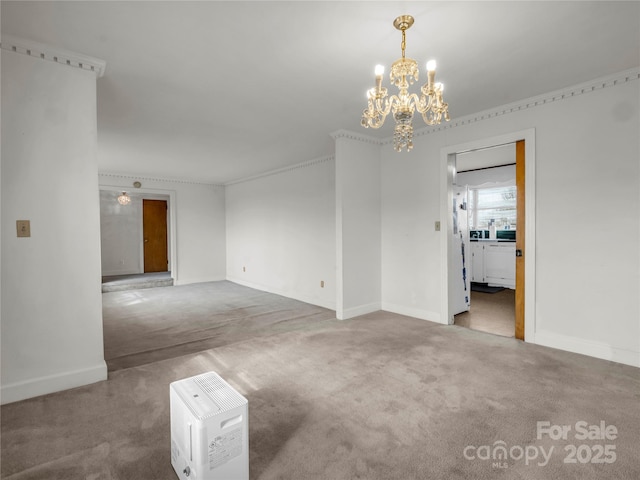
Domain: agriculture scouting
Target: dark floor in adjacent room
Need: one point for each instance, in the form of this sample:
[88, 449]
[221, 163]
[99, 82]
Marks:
[377, 397]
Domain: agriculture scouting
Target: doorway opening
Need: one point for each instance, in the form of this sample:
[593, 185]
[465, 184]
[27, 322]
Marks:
[484, 210]
[454, 272]
[137, 240]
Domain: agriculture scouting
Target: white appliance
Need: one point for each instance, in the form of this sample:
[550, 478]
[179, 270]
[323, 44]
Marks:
[460, 256]
[209, 429]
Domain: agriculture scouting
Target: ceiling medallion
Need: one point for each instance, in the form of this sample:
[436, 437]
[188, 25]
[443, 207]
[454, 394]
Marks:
[404, 72]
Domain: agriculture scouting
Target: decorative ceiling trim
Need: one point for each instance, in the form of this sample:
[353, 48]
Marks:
[620, 78]
[356, 136]
[157, 179]
[306, 164]
[53, 54]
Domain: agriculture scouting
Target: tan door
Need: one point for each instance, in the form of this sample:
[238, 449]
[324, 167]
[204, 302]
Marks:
[520, 251]
[154, 226]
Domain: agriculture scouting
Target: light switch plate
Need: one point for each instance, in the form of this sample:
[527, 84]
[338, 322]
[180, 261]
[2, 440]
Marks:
[437, 225]
[24, 228]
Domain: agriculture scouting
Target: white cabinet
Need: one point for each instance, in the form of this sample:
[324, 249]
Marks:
[500, 264]
[477, 262]
[494, 263]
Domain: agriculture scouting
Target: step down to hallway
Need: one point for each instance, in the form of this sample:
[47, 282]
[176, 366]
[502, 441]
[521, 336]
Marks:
[118, 283]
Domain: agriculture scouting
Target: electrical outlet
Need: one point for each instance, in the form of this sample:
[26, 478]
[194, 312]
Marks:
[437, 225]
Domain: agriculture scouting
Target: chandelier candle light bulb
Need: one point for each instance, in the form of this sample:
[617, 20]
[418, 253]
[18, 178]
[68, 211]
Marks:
[431, 74]
[404, 72]
[379, 71]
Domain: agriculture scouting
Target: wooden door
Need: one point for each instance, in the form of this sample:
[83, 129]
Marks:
[154, 226]
[520, 247]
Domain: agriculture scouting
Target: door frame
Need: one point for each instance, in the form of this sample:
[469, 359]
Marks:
[153, 194]
[447, 172]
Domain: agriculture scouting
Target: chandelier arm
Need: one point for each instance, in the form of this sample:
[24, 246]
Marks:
[424, 103]
[394, 102]
[376, 112]
[433, 119]
[387, 106]
[432, 107]
[432, 115]
[413, 101]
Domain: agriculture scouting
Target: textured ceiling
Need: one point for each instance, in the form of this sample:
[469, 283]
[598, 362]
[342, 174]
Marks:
[217, 91]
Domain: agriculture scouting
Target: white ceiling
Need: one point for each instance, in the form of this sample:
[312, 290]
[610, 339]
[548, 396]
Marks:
[217, 91]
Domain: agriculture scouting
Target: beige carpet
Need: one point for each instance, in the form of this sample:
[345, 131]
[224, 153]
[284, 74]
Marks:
[148, 325]
[379, 397]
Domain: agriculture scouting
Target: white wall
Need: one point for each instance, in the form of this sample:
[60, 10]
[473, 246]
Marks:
[358, 227]
[122, 232]
[410, 245]
[281, 232]
[586, 226]
[197, 217]
[51, 306]
[120, 235]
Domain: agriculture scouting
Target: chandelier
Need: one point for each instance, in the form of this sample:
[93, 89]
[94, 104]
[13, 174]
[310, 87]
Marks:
[124, 199]
[404, 72]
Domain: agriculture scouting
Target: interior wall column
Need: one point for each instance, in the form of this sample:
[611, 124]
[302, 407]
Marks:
[358, 224]
[51, 299]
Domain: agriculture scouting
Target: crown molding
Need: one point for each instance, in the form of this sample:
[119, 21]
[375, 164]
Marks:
[53, 54]
[616, 79]
[306, 164]
[156, 179]
[356, 136]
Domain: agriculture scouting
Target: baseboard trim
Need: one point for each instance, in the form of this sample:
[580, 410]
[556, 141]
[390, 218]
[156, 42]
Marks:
[318, 302]
[14, 392]
[358, 311]
[116, 273]
[189, 281]
[588, 347]
[412, 312]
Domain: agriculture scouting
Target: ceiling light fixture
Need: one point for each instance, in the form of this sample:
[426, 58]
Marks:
[124, 199]
[404, 72]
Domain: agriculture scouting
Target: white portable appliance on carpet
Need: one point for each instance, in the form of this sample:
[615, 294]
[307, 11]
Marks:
[209, 429]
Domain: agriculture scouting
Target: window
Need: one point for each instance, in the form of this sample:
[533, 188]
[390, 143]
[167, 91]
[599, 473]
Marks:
[492, 203]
